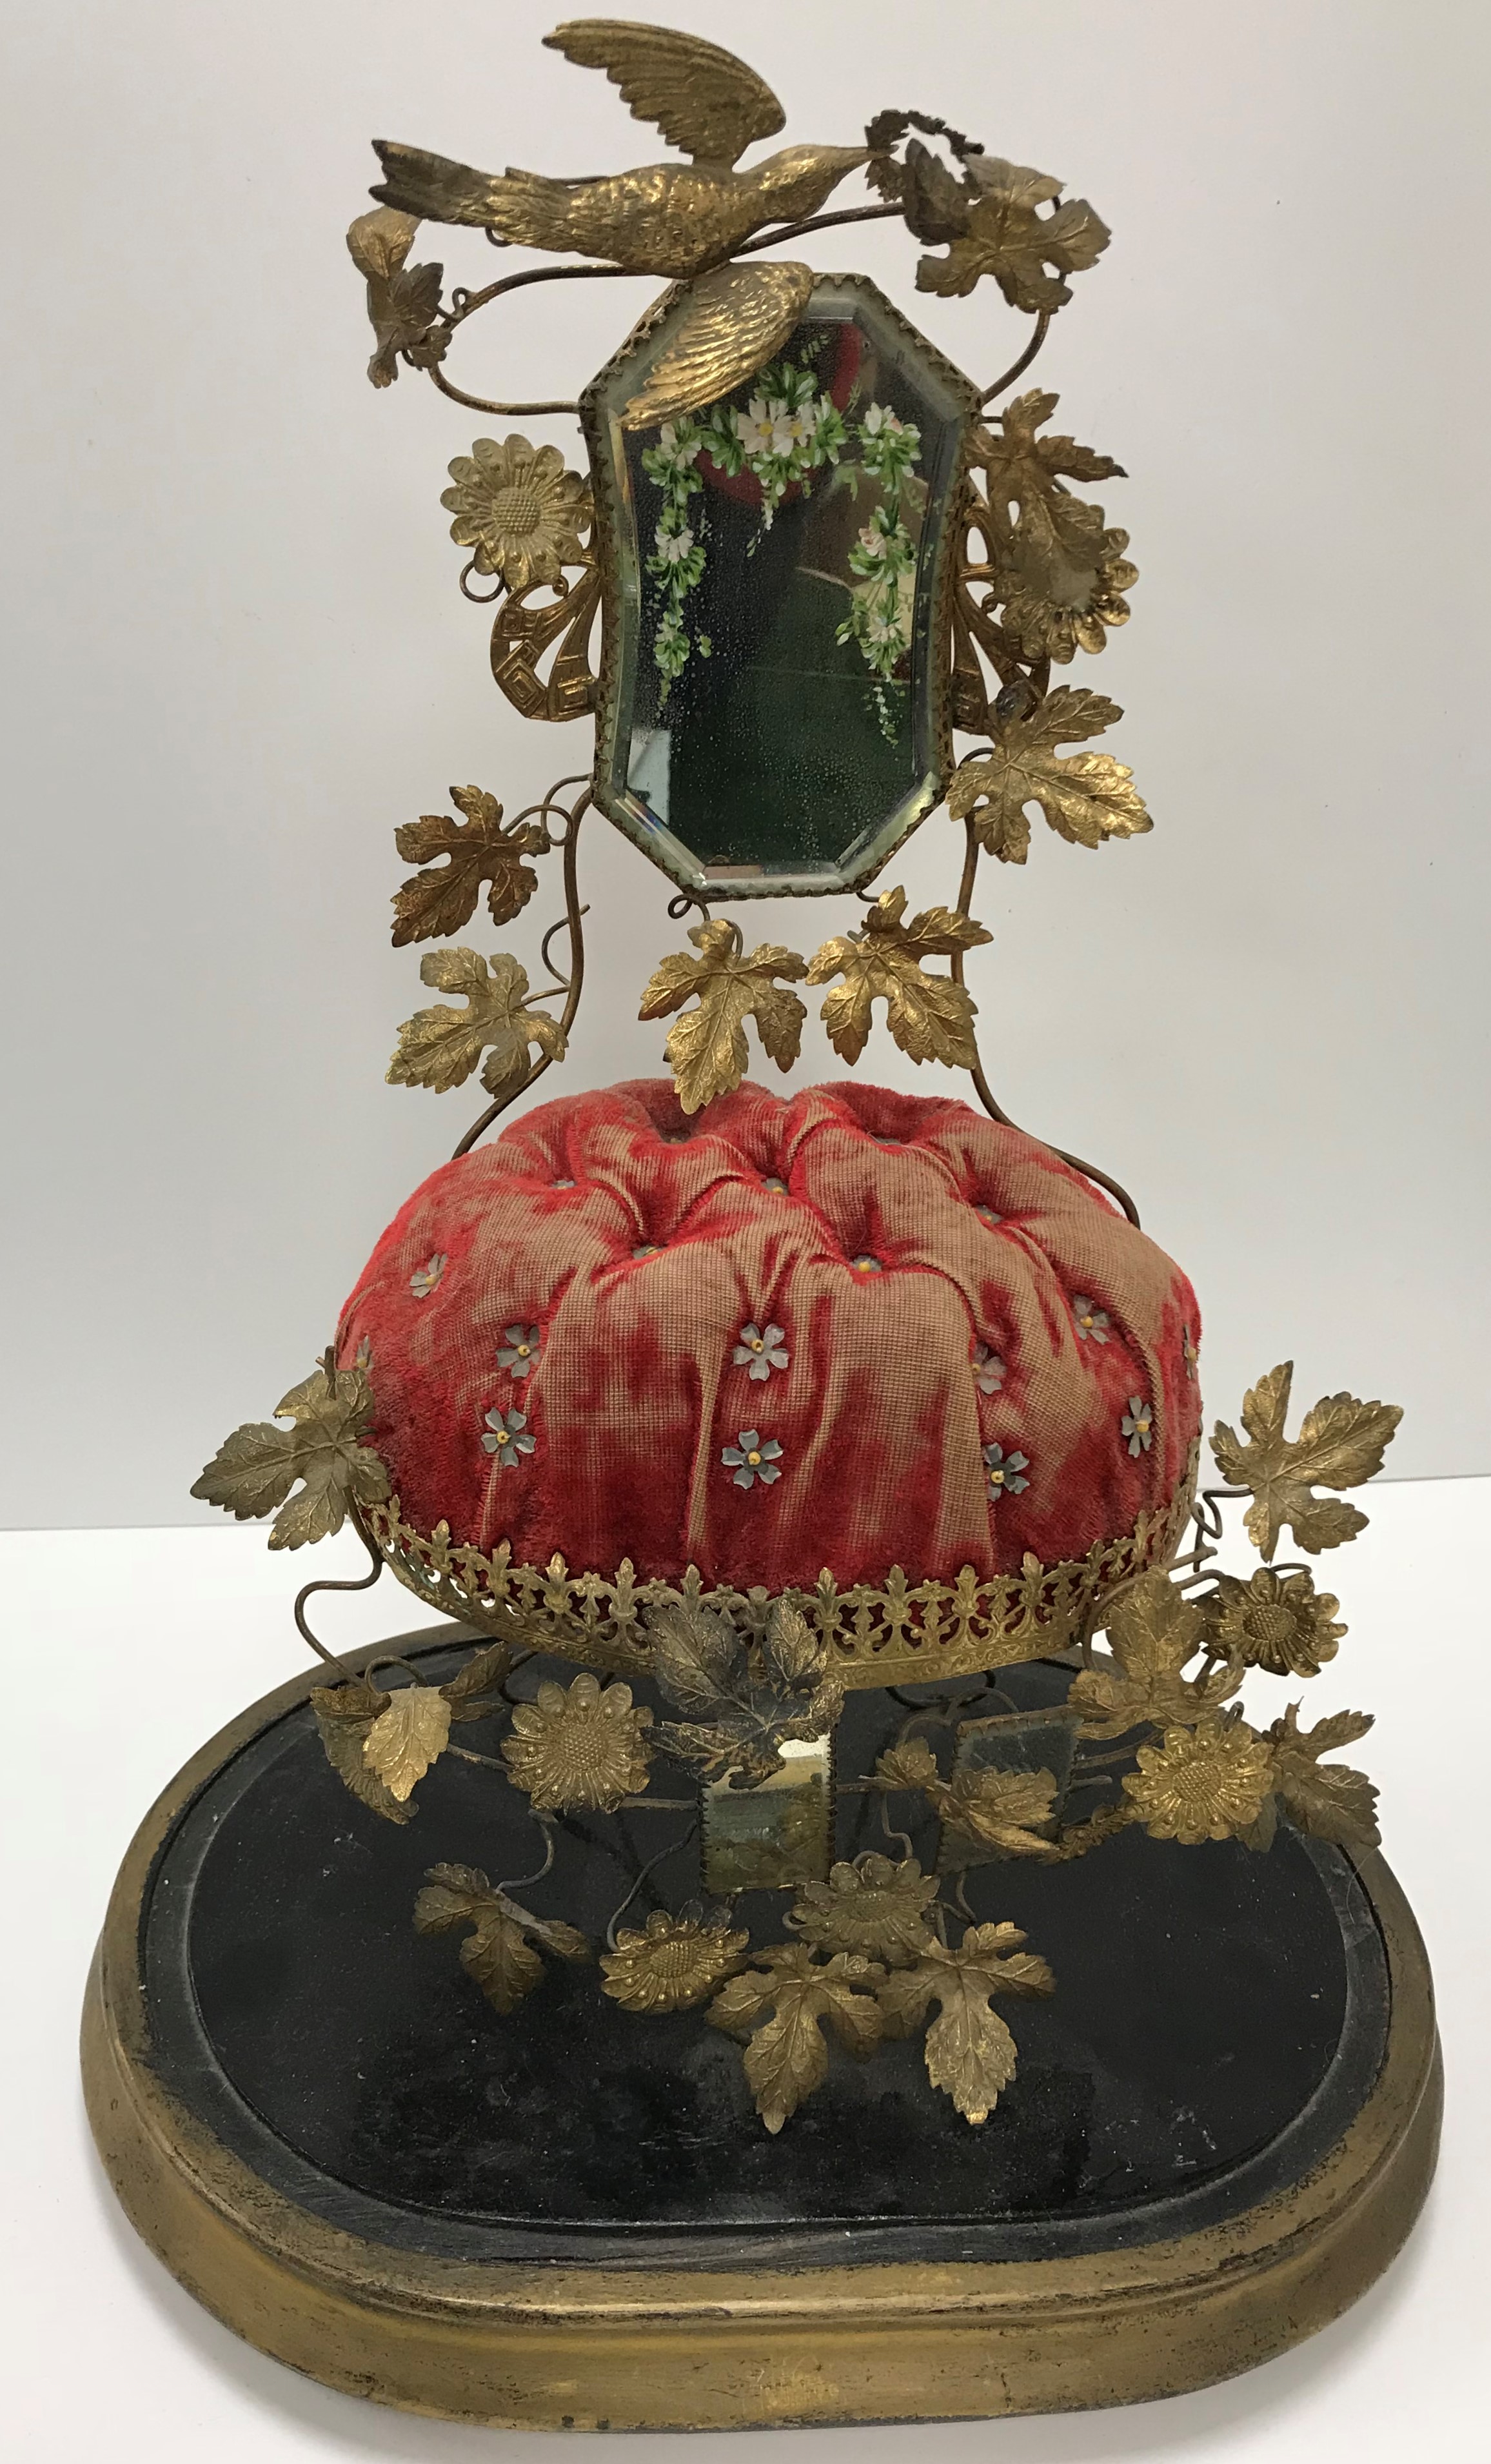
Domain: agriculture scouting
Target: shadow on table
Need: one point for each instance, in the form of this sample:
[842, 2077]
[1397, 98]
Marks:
[1179, 2426]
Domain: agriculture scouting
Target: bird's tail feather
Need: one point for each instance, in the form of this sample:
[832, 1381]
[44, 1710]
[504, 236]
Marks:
[438, 191]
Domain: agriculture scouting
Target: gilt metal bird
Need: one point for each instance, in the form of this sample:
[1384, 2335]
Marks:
[682, 220]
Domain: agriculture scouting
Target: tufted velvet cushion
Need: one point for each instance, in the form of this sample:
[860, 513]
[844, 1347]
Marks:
[924, 1266]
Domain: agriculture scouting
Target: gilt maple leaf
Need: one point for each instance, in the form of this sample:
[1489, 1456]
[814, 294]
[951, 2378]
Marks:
[441, 899]
[1086, 796]
[403, 300]
[1008, 237]
[788, 2056]
[1335, 1803]
[1340, 1444]
[440, 1047]
[971, 2054]
[707, 1046]
[254, 1470]
[1000, 1809]
[498, 1954]
[930, 1017]
[1153, 1631]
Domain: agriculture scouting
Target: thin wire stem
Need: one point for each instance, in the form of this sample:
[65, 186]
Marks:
[362, 1583]
[986, 1095]
[670, 1848]
[1043, 328]
[818, 223]
[521, 1882]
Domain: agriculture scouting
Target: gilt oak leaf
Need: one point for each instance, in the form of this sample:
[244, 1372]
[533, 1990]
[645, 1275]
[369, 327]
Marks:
[971, 2054]
[254, 1470]
[1086, 796]
[442, 897]
[1340, 1443]
[788, 2056]
[440, 1047]
[1007, 235]
[403, 300]
[407, 1738]
[708, 1045]
[930, 1017]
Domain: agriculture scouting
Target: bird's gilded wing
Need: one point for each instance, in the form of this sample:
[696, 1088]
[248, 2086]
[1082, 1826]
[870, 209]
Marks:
[704, 101]
[736, 317]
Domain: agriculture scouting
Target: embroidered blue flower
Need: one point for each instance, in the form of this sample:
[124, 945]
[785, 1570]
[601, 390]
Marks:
[865, 1264]
[649, 1249]
[1002, 1473]
[1137, 1425]
[778, 1187]
[505, 1436]
[365, 1354]
[987, 1215]
[1090, 1319]
[1188, 1353]
[752, 1457]
[562, 1185]
[425, 1278]
[989, 1370]
[759, 1349]
[519, 1349]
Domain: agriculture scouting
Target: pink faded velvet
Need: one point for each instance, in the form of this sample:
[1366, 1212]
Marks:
[879, 1416]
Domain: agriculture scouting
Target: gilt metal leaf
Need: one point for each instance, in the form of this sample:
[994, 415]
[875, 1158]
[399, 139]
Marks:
[480, 848]
[1153, 1631]
[440, 1047]
[1086, 796]
[256, 1469]
[403, 300]
[971, 2054]
[1334, 1801]
[1007, 235]
[787, 2057]
[708, 1045]
[407, 1737]
[1340, 1443]
[498, 1954]
[343, 1716]
[930, 1017]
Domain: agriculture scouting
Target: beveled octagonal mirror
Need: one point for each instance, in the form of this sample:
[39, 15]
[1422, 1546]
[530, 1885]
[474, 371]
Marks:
[776, 567]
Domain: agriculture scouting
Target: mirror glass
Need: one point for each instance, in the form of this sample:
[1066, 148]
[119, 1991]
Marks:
[773, 711]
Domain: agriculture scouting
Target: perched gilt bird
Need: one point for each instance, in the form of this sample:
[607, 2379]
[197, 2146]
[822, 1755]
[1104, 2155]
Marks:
[682, 220]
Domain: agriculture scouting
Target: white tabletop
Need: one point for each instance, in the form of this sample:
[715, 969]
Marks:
[124, 1650]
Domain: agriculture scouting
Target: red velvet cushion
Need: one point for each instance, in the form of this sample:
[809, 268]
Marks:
[641, 1244]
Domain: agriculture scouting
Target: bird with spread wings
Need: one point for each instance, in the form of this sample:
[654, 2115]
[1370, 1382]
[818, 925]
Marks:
[684, 220]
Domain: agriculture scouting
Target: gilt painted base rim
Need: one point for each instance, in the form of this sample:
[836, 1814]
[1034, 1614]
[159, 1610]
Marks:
[517, 2345]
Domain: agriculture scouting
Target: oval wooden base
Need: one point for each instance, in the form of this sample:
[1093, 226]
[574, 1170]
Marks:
[563, 2346]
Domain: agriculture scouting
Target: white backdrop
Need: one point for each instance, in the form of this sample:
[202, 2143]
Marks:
[235, 657]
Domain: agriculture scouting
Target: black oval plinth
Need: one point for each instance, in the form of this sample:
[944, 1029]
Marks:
[1219, 2020]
